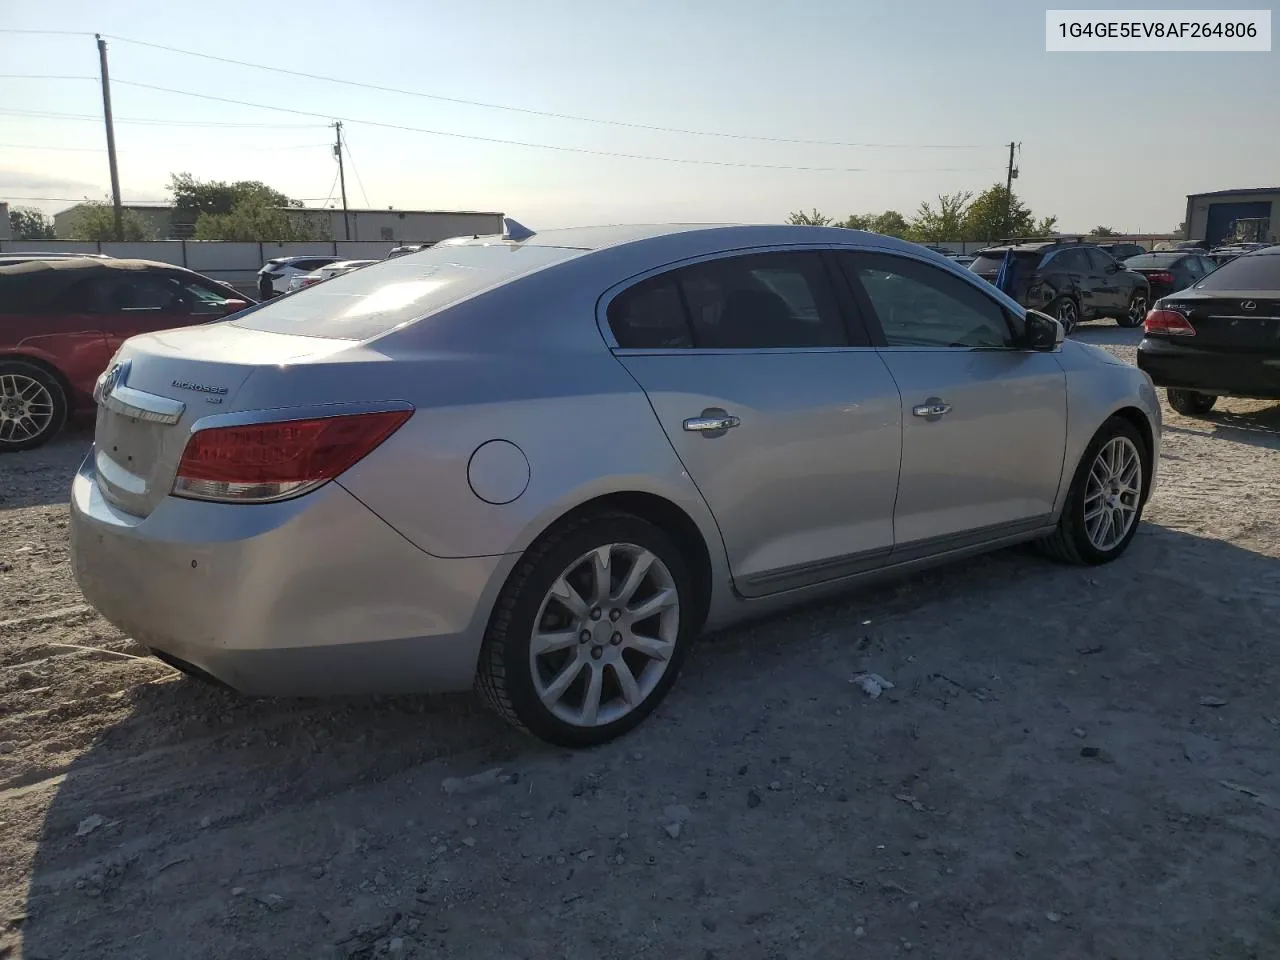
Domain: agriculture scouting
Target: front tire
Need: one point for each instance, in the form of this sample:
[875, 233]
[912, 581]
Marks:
[590, 630]
[1136, 312]
[1189, 403]
[1106, 498]
[33, 406]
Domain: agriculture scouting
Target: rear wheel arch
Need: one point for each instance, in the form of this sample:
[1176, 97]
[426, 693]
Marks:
[668, 517]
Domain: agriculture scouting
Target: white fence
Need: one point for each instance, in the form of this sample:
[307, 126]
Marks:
[233, 263]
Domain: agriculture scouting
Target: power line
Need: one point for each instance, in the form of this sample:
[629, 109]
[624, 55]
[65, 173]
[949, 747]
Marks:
[543, 113]
[44, 76]
[159, 121]
[549, 146]
[356, 172]
[257, 149]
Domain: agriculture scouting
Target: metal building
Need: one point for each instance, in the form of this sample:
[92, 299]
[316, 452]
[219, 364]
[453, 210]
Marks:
[1224, 215]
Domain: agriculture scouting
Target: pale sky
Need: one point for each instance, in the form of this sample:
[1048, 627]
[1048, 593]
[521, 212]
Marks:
[1114, 139]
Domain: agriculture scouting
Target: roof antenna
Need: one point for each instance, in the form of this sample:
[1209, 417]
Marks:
[514, 230]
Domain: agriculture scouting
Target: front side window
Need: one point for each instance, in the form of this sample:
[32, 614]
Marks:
[1099, 260]
[920, 305]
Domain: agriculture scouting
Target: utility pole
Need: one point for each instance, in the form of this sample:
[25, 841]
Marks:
[342, 179]
[111, 136]
[1008, 193]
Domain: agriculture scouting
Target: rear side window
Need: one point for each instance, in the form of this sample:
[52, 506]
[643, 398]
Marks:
[382, 296]
[1070, 261]
[650, 316]
[762, 301]
[755, 302]
[1256, 272]
[1153, 261]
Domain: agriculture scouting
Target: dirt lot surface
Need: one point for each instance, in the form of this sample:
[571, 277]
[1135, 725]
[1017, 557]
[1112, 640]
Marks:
[1072, 764]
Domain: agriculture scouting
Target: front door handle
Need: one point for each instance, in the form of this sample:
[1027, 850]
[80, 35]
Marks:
[714, 424]
[931, 408]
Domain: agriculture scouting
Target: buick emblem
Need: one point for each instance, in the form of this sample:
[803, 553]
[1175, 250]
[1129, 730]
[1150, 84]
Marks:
[1248, 305]
[113, 378]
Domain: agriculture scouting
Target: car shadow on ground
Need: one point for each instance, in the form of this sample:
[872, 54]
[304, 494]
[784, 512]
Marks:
[42, 477]
[1258, 428]
[201, 824]
[1105, 333]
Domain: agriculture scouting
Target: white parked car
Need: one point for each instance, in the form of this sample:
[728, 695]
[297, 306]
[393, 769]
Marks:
[325, 273]
[274, 277]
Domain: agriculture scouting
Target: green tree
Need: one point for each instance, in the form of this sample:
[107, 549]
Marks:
[1181, 229]
[96, 221]
[995, 213]
[1103, 232]
[812, 219]
[890, 224]
[256, 219]
[944, 223]
[28, 223]
[857, 221]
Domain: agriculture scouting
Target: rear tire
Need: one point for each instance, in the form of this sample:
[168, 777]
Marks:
[1136, 313]
[1066, 312]
[33, 406]
[629, 662]
[1084, 535]
[1189, 403]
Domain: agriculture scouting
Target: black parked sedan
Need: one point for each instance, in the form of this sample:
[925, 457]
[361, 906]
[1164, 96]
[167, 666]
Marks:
[1170, 272]
[1218, 338]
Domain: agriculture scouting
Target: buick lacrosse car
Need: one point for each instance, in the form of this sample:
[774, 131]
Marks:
[542, 463]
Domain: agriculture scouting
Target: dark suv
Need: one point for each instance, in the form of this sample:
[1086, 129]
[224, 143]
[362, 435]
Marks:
[1067, 279]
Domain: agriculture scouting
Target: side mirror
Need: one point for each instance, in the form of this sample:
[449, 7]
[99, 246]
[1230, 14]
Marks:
[1115, 266]
[1043, 332]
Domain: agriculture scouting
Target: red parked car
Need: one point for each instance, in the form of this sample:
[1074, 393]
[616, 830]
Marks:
[61, 321]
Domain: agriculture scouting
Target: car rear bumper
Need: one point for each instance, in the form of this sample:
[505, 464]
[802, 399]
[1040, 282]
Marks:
[1208, 371]
[308, 597]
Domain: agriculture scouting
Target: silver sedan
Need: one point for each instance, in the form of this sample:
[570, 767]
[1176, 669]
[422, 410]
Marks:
[542, 464]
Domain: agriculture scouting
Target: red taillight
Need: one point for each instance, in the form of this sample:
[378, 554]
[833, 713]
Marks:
[1160, 276]
[274, 461]
[1168, 323]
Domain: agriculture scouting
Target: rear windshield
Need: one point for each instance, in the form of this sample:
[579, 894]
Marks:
[1254, 272]
[371, 301]
[1148, 261]
[989, 262]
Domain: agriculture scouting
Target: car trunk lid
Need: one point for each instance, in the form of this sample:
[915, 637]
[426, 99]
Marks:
[1232, 320]
[160, 384]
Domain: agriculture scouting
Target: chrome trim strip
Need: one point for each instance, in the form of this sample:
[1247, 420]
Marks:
[855, 246]
[129, 402]
[246, 418]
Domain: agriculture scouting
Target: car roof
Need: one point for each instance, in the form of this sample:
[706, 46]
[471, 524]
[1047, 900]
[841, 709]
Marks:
[693, 239]
[72, 266]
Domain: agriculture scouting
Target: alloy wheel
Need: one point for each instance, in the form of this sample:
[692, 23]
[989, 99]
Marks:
[1112, 493]
[1067, 315]
[1137, 309]
[604, 635]
[26, 408]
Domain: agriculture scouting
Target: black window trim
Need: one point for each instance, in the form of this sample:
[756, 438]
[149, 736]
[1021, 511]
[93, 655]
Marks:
[856, 333]
[871, 318]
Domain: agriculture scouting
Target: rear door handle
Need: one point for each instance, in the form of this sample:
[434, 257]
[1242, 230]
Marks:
[711, 424]
[931, 408]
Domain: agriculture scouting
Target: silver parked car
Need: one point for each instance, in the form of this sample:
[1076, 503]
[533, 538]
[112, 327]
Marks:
[543, 463]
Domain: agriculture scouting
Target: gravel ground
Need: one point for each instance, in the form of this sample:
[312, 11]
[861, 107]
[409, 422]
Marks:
[1072, 763]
